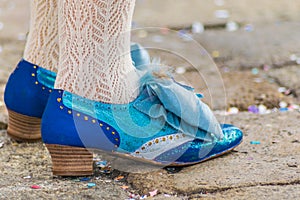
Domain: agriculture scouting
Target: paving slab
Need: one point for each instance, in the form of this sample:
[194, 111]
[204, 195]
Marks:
[174, 13]
[268, 45]
[288, 77]
[273, 162]
[257, 192]
[24, 165]
[239, 76]
[259, 171]
[266, 170]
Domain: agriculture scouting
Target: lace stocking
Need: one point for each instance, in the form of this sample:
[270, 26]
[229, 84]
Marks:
[95, 61]
[42, 42]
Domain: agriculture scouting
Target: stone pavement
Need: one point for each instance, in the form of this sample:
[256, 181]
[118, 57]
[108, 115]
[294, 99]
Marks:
[272, 165]
[178, 13]
[248, 67]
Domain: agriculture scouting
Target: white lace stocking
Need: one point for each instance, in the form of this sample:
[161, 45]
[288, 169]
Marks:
[95, 61]
[42, 42]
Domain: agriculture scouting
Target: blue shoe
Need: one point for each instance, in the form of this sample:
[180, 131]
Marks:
[166, 125]
[26, 95]
[27, 92]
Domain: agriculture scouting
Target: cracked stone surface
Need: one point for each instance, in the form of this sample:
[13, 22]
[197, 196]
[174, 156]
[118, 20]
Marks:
[288, 77]
[222, 83]
[259, 171]
[256, 48]
[274, 162]
[256, 192]
[204, 11]
[23, 160]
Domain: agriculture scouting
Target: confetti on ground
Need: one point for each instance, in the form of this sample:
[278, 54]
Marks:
[1, 144]
[233, 111]
[293, 57]
[104, 166]
[253, 109]
[283, 104]
[282, 89]
[215, 54]
[283, 109]
[101, 164]
[197, 27]
[133, 196]
[180, 70]
[85, 179]
[90, 185]
[232, 26]
[165, 30]
[119, 178]
[27, 177]
[153, 193]
[124, 187]
[219, 2]
[1, 25]
[35, 187]
[222, 14]
[255, 142]
[262, 109]
[249, 28]
[255, 71]
[157, 39]
[142, 34]
[22, 36]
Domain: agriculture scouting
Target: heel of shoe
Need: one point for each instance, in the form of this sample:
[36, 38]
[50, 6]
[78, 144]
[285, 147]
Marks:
[70, 161]
[23, 128]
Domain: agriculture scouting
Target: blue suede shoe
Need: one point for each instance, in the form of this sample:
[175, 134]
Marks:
[27, 92]
[166, 125]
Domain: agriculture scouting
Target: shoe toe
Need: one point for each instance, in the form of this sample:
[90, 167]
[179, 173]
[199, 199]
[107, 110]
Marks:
[233, 136]
[198, 151]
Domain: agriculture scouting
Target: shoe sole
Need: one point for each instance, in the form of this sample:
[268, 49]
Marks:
[23, 128]
[70, 161]
[127, 156]
[77, 161]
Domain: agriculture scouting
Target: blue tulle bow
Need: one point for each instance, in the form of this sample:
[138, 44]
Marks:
[178, 105]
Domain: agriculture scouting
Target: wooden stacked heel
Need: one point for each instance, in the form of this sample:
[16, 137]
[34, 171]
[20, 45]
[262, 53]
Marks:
[70, 161]
[23, 128]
